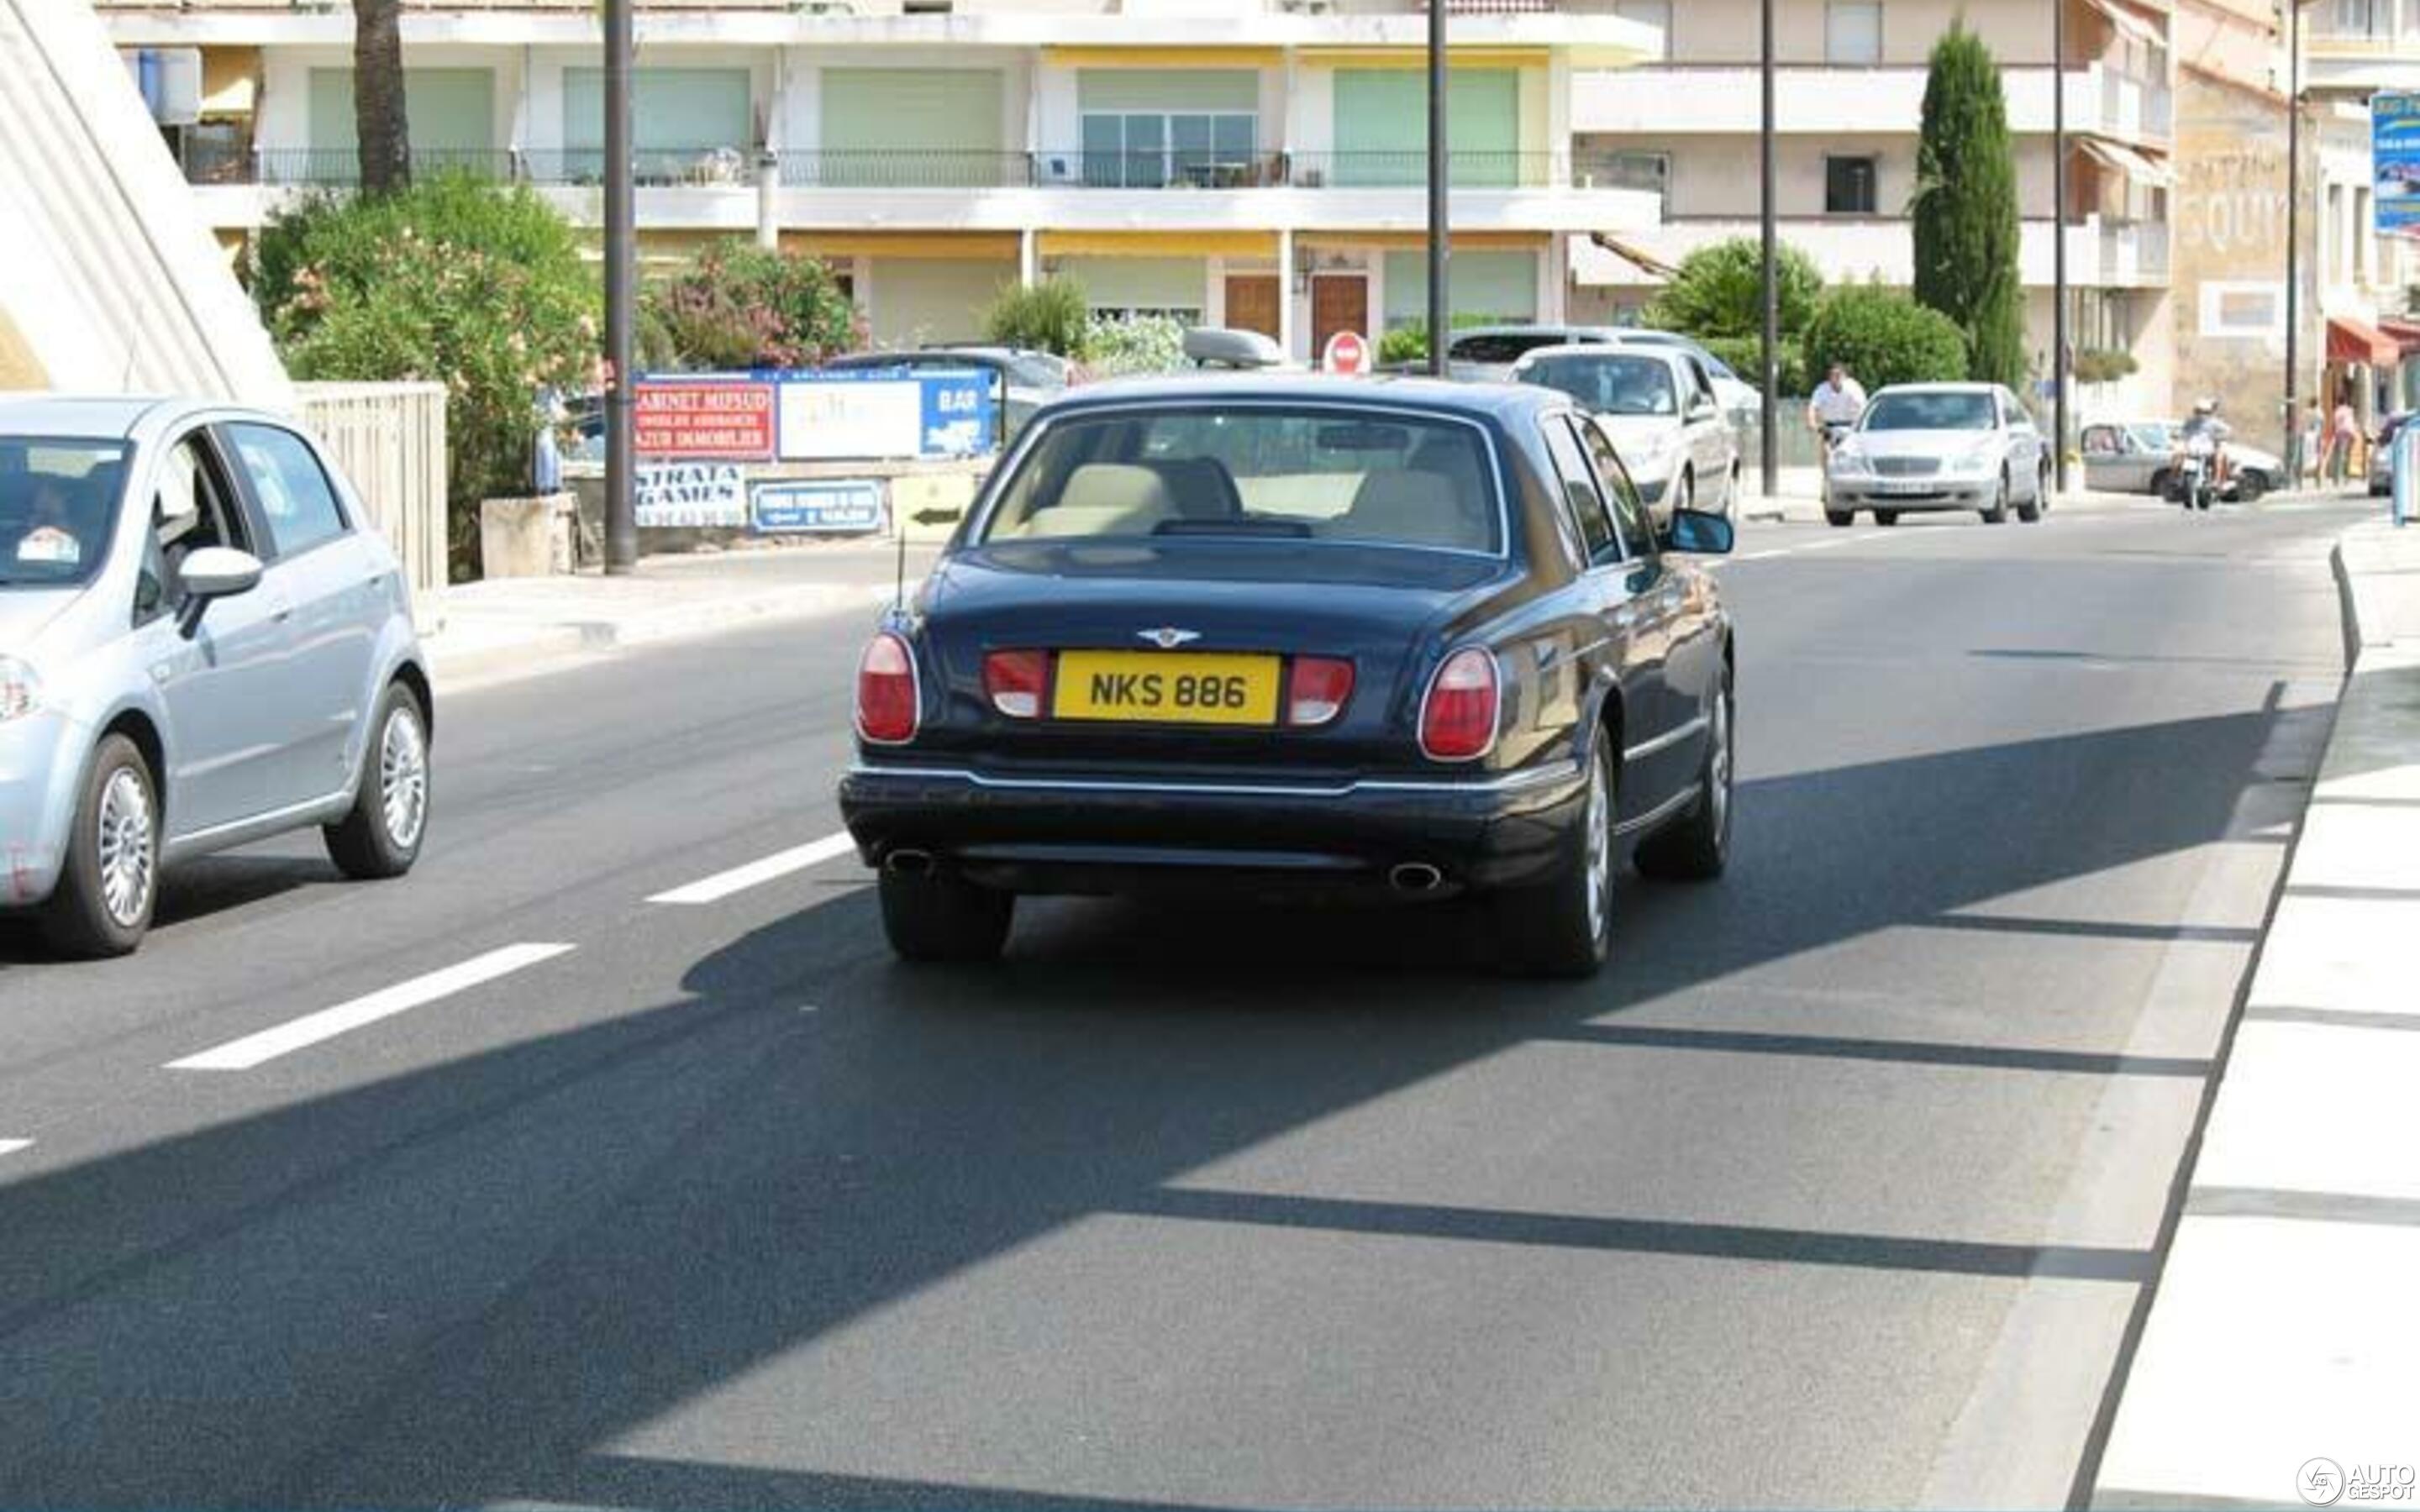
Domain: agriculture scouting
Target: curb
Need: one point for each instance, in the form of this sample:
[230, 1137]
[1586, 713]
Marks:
[540, 646]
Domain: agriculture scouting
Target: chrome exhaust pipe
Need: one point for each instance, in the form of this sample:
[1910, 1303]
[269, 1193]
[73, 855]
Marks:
[1415, 877]
[907, 863]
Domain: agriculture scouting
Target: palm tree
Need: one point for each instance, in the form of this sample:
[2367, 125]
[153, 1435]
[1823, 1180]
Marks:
[378, 122]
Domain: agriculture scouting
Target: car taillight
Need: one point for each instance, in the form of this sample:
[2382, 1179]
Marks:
[1458, 717]
[1316, 688]
[1012, 680]
[886, 691]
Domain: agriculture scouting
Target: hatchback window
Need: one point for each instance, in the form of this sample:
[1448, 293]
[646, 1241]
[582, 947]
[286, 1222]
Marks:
[1615, 383]
[1955, 411]
[1376, 477]
[58, 507]
[293, 488]
[1504, 345]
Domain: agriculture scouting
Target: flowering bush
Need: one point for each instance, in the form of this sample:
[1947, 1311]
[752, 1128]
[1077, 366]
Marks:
[477, 286]
[744, 306]
[1146, 344]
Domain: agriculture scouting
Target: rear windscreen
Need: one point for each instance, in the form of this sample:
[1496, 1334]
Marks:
[1368, 477]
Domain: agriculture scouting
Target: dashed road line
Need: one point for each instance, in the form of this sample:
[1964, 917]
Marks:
[311, 1028]
[11, 1147]
[756, 873]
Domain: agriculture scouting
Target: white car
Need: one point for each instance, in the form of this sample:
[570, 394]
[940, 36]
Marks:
[1659, 407]
[1940, 446]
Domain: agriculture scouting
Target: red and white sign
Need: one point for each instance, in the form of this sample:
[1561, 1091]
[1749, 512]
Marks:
[1346, 353]
[730, 422]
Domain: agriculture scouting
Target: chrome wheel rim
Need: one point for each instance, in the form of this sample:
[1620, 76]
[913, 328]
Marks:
[403, 779]
[1718, 767]
[126, 833]
[1600, 849]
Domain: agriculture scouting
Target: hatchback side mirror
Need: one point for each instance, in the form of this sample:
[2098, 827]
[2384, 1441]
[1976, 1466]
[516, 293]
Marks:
[219, 572]
[1698, 533]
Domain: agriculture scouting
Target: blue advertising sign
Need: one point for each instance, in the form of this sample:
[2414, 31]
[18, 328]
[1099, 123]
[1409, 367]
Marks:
[886, 413]
[817, 506]
[2395, 161]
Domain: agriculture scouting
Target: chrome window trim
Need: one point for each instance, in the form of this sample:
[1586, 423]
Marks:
[987, 502]
[1502, 782]
[1666, 741]
[1660, 812]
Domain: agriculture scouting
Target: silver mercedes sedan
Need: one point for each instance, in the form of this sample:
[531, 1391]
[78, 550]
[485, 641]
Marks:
[202, 643]
[1936, 446]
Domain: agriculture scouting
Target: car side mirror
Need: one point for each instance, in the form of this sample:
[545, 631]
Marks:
[1698, 533]
[1704, 409]
[214, 572]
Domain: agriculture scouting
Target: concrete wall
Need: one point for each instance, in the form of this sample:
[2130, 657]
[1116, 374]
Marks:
[2228, 255]
[1727, 31]
[113, 283]
[1717, 176]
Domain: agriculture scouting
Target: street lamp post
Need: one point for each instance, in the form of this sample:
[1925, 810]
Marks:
[1438, 243]
[621, 258]
[2058, 243]
[1769, 415]
[2292, 450]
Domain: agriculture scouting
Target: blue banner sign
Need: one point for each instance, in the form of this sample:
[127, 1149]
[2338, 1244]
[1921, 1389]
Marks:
[891, 414]
[2395, 161]
[817, 506]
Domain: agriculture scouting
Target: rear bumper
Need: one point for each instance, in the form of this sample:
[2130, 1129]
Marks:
[1094, 835]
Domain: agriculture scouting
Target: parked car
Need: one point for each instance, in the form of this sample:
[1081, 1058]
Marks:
[1940, 446]
[1023, 380]
[1486, 354]
[202, 643]
[2382, 454]
[2135, 456]
[1300, 637]
[1658, 405]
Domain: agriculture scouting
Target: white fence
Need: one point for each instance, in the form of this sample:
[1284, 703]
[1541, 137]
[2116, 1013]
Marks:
[390, 439]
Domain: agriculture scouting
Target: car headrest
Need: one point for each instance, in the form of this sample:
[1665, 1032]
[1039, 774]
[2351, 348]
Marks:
[1105, 498]
[1415, 508]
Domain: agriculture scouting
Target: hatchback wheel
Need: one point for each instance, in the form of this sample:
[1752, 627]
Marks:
[380, 836]
[111, 878]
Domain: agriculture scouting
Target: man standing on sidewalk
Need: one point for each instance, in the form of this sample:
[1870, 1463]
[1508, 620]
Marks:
[1836, 405]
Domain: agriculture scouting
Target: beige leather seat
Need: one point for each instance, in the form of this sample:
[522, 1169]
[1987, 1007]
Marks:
[1105, 498]
[1412, 508]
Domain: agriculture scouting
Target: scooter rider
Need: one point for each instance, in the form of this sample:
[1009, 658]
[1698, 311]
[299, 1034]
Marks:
[2204, 422]
[1837, 404]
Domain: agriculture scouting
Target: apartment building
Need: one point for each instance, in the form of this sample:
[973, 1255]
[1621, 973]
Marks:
[1250, 162]
[2352, 50]
[1848, 99]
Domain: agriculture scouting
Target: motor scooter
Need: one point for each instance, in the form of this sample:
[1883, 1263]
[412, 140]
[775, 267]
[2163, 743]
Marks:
[2193, 477]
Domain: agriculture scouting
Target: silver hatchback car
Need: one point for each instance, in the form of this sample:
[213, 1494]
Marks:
[202, 643]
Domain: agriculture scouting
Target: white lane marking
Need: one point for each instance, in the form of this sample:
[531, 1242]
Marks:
[723, 884]
[11, 1147]
[256, 1049]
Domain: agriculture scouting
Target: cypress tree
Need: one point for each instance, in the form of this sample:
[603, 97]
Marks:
[1965, 208]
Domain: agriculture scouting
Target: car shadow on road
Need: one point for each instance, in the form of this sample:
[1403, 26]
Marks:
[526, 1274]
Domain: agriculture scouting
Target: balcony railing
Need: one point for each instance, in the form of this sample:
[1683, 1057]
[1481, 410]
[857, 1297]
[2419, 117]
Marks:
[907, 168]
[1410, 170]
[706, 166]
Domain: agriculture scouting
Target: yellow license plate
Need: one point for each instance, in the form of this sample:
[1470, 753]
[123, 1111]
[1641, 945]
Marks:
[1166, 687]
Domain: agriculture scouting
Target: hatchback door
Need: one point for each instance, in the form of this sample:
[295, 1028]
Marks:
[221, 677]
[336, 584]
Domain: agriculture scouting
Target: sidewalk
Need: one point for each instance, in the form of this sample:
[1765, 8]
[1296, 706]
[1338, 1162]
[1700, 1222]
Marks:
[503, 627]
[2280, 1363]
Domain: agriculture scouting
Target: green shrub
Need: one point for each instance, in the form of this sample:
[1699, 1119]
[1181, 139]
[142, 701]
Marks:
[1718, 291]
[1883, 336]
[1118, 348]
[1745, 355]
[743, 306]
[1407, 342]
[1050, 317]
[2101, 364]
[479, 288]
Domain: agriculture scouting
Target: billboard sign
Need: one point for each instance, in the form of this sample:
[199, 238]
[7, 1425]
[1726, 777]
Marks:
[892, 414]
[690, 493]
[2395, 162]
[724, 419]
[818, 506]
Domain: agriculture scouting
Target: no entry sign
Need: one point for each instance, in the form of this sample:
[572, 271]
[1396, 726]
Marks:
[1346, 353]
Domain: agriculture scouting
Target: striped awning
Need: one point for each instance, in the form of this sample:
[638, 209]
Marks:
[2135, 164]
[2129, 23]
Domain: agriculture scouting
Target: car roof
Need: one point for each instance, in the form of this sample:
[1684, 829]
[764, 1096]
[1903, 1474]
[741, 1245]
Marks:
[113, 416]
[1438, 397]
[1937, 388]
[1663, 352]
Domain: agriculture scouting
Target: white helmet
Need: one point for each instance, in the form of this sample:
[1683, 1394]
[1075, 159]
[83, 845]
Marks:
[2205, 407]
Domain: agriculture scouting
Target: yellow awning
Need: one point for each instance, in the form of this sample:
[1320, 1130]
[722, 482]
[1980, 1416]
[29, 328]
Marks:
[1164, 57]
[969, 246]
[2140, 28]
[1418, 57]
[1402, 240]
[2120, 158]
[1156, 243]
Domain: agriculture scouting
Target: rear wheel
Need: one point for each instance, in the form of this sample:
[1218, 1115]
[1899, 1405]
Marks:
[1697, 848]
[2249, 487]
[380, 837]
[2031, 510]
[1565, 928]
[935, 917]
[111, 877]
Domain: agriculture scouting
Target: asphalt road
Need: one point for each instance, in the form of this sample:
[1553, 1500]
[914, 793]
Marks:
[1840, 1187]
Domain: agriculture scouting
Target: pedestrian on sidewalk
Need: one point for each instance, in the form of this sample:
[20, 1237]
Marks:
[2315, 456]
[2348, 433]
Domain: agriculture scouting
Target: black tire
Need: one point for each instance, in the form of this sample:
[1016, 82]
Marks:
[1885, 517]
[1839, 519]
[1565, 927]
[2030, 512]
[380, 836]
[1698, 846]
[2249, 487]
[937, 918]
[2163, 486]
[103, 905]
[1999, 510]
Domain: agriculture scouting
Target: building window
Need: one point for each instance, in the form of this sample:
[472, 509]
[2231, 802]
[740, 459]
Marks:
[1598, 166]
[1150, 149]
[1852, 32]
[1655, 13]
[1849, 186]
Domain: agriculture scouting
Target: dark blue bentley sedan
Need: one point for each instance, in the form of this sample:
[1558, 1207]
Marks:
[1277, 637]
